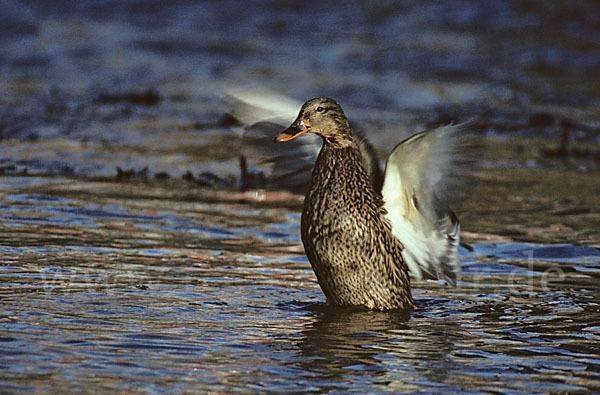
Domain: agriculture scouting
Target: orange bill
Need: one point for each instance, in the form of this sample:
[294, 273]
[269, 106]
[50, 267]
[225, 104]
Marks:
[295, 130]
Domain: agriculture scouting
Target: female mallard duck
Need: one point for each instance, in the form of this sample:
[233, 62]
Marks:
[362, 238]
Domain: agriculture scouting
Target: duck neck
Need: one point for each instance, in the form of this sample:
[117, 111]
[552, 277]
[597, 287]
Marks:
[336, 142]
[339, 175]
[340, 155]
[337, 134]
[339, 139]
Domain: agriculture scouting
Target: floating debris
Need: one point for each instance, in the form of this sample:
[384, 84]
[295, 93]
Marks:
[566, 151]
[206, 179]
[250, 179]
[148, 97]
[163, 175]
[131, 173]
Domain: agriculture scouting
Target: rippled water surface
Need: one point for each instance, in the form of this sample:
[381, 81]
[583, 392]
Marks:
[131, 260]
[146, 289]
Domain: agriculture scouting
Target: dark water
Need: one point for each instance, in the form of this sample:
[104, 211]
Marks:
[138, 280]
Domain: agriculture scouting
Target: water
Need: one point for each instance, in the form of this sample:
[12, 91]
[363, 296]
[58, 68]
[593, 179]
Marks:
[147, 290]
[163, 276]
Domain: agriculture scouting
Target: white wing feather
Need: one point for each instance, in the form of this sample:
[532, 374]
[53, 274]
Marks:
[253, 105]
[264, 113]
[420, 178]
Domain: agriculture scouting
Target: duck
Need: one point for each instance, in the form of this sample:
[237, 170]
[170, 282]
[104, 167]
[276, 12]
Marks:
[366, 231]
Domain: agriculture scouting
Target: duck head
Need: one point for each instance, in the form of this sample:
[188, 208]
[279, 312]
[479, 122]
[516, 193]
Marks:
[322, 116]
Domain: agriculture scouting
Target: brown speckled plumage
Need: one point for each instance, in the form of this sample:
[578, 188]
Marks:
[348, 240]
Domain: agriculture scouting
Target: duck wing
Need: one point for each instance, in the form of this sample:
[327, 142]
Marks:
[419, 182]
[253, 105]
[263, 113]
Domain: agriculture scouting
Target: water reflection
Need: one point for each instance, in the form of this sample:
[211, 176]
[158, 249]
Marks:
[347, 346]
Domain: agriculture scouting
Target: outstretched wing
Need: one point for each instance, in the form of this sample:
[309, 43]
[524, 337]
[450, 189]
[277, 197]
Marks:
[420, 181]
[264, 113]
[253, 105]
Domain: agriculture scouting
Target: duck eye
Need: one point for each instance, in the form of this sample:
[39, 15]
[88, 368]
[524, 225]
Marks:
[319, 109]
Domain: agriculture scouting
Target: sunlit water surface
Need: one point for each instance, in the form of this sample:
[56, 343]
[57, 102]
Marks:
[136, 280]
[107, 286]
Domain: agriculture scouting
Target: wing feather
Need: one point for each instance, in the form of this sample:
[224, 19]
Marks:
[419, 183]
[263, 113]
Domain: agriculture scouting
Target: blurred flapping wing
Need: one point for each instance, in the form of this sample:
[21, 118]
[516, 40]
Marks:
[420, 182]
